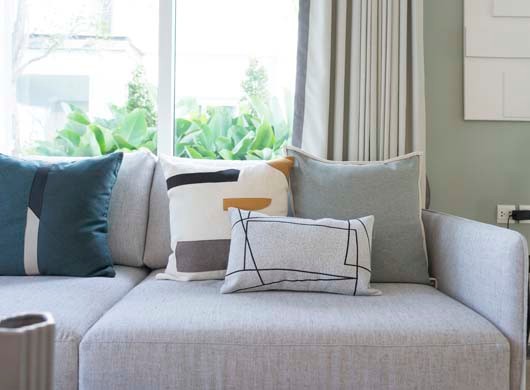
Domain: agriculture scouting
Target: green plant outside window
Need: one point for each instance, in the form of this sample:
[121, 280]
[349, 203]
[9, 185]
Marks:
[257, 129]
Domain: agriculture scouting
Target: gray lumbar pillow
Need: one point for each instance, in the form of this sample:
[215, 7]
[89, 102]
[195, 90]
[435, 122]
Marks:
[388, 190]
[283, 253]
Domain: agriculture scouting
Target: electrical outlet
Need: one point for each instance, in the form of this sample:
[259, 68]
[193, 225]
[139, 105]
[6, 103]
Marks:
[503, 213]
[524, 207]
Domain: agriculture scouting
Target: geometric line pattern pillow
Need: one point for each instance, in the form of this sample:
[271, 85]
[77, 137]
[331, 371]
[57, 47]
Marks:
[200, 193]
[54, 216]
[284, 253]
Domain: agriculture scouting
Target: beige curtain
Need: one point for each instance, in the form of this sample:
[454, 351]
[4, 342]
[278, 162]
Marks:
[360, 81]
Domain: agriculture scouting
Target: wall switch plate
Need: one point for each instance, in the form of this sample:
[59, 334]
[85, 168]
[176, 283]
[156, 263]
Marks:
[524, 207]
[503, 212]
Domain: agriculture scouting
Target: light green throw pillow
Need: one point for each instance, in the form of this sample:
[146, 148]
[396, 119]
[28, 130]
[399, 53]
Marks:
[388, 190]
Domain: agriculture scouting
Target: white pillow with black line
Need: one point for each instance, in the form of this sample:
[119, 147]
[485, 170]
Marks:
[285, 253]
[200, 193]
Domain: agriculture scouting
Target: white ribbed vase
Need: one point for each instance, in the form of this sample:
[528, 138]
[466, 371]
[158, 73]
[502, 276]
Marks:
[27, 352]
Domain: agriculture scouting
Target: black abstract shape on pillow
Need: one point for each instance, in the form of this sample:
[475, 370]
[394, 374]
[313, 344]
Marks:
[36, 195]
[182, 179]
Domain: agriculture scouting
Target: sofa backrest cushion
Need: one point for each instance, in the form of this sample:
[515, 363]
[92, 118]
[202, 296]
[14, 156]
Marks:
[389, 190]
[158, 245]
[129, 209]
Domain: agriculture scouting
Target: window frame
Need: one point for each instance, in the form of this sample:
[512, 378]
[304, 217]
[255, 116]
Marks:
[166, 77]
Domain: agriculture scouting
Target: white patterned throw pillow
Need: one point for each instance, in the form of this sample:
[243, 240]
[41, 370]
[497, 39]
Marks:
[283, 253]
[200, 193]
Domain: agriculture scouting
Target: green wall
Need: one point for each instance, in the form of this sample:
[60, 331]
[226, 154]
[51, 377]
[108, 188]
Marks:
[472, 165]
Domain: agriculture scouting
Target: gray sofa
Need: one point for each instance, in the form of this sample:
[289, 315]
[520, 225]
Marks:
[135, 332]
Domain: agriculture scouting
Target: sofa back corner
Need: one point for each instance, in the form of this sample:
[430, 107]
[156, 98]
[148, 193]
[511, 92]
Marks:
[157, 243]
[129, 208]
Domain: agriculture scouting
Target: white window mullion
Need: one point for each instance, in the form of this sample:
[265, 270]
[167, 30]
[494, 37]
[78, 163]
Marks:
[166, 77]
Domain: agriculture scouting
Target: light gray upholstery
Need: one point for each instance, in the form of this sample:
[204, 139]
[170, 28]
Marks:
[158, 245]
[485, 268]
[129, 209]
[75, 303]
[186, 335]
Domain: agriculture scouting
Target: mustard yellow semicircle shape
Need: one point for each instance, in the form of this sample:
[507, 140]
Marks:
[251, 204]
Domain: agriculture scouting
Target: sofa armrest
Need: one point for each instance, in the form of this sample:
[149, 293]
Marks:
[485, 268]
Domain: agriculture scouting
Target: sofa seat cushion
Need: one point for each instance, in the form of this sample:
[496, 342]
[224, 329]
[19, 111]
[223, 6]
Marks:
[186, 335]
[75, 303]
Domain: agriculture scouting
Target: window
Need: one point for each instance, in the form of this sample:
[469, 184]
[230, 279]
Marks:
[235, 66]
[194, 78]
[80, 76]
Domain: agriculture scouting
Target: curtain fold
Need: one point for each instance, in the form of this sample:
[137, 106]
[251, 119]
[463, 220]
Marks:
[360, 81]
